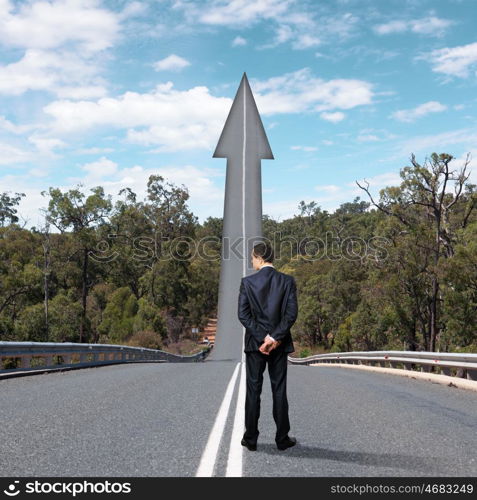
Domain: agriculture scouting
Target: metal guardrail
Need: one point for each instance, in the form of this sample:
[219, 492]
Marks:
[38, 356]
[465, 364]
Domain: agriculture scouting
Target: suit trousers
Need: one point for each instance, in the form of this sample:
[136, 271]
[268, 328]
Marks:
[277, 369]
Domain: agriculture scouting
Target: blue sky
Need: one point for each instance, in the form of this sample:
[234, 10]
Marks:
[107, 93]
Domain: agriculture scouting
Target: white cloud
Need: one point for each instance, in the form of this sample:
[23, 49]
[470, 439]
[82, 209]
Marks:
[283, 33]
[331, 196]
[168, 118]
[299, 92]
[46, 145]
[51, 24]
[301, 30]
[329, 188]
[306, 41]
[281, 210]
[11, 154]
[239, 41]
[431, 25]
[19, 150]
[291, 20]
[341, 26]
[304, 148]
[8, 126]
[374, 135]
[409, 115]
[381, 181]
[391, 27]
[38, 172]
[237, 12]
[445, 142]
[171, 63]
[53, 72]
[455, 61]
[206, 197]
[133, 9]
[367, 138]
[93, 151]
[205, 186]
[192, 119]
[63, 44]
[29, 206]
[100, 169]
[335, 117]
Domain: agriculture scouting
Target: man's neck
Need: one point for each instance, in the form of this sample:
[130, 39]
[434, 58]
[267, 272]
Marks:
[267, 264]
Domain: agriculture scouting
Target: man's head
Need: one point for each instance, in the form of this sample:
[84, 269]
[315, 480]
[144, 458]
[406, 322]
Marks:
[262, 253]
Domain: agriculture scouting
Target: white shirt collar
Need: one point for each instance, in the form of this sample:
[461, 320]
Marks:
[266, 265]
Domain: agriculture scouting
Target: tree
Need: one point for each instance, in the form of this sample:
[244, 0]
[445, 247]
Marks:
[426, 207]
[20, 278]
[119, 315]
[132, 243]
[8, 211]
[82, 214]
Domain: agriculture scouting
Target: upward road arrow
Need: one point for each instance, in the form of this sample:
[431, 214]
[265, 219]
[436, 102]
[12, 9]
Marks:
[244, 143]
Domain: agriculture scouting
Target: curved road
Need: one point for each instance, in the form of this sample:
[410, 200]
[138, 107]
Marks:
[155, 420]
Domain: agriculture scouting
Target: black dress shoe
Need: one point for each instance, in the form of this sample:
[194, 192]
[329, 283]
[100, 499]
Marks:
[288, 443]
[249, 446]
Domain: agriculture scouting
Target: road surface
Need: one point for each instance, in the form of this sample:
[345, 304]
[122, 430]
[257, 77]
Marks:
[156, 420]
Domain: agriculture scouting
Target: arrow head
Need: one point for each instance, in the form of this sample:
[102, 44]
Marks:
[243, 124]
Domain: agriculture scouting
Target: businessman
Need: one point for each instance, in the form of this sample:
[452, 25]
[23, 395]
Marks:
[267, 308]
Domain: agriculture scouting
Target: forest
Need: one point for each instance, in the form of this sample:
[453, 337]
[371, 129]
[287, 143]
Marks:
[396, 271]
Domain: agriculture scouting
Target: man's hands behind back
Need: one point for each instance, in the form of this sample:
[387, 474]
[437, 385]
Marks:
[268, 345]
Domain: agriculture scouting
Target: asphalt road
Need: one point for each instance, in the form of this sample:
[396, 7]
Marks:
[155, 420]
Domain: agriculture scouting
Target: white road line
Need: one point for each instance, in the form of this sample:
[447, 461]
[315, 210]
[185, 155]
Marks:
[234, 461]
[209, 456]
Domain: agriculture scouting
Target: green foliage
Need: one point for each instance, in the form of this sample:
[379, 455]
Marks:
[149, 319]
[8, 208]
[343, 340]
[7, 329]
[119, 315]
[396, 273]
[64, 319]
[30, 325]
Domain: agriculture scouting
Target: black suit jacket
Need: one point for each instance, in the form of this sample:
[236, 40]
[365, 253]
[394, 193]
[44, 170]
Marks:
[267, 304]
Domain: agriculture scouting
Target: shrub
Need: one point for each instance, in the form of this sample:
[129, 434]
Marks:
[146, 338]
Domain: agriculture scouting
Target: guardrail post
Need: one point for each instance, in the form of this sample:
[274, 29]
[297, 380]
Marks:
[26, 361]
[472, 374]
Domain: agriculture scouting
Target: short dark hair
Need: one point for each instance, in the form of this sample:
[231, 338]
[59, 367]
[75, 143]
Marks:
[264, 250]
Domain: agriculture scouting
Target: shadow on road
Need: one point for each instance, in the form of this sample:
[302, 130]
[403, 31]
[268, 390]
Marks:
[399, 461]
